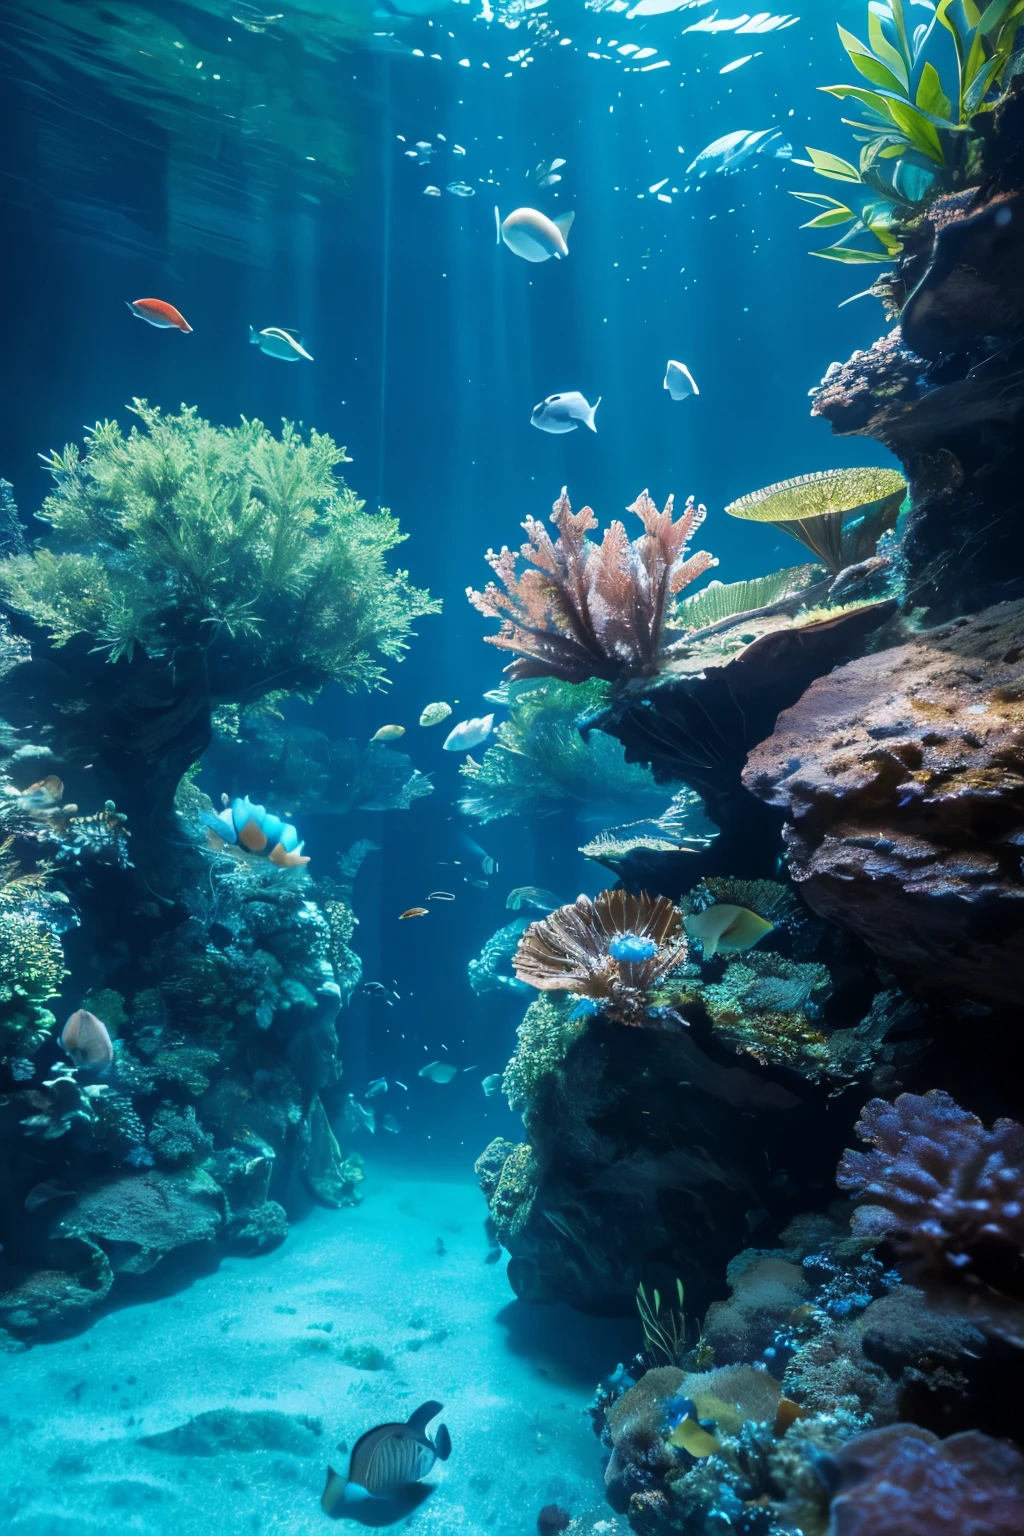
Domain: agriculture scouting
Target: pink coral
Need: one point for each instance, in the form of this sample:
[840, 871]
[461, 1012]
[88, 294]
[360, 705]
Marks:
[946, 1193]
[591, 610]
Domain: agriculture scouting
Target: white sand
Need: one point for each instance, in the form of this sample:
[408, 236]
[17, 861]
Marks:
[514, 1382]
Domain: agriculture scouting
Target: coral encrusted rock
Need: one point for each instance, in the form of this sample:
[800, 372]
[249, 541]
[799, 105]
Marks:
[902, 777]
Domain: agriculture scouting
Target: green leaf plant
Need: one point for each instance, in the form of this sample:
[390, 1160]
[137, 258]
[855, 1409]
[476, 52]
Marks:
[914, 127]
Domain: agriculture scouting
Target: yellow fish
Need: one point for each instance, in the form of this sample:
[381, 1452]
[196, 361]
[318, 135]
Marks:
[691, 1437]
[725, 929]
[388, 733]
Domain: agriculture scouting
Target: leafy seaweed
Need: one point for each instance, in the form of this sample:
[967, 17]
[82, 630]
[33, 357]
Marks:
[915, 129]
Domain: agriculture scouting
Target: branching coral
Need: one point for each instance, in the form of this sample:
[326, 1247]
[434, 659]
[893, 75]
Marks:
[614, 950]
[540, 758]
[542, 1041]
[31, 972]
[186, 534]
[947, 1194]
[591, 610]
[838, 514]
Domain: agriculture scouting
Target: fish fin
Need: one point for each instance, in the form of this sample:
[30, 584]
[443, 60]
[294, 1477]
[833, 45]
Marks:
[418, 1421]
[590, 418]
[564, 223]
[443, 1443]
[497, 225]
[290, 330]
[355, 1493]
[334, 1492]
[254, 338]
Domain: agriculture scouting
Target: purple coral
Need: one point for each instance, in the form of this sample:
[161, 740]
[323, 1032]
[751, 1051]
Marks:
[904, 1481]
[591, 610]
[946, 1193]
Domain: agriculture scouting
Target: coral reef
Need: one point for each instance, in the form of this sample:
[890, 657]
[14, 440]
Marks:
[540, 760]
[613, 950]
[947, 1195]
[491, 970]
[589, 610]
[904, 1479]
[900, 775]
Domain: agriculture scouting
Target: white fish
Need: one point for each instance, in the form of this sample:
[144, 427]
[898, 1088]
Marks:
[733, 150]
[460, 189]
[563, 413]
[727, 69]
[439, 1071]
[379, 1085]
[278, 341]
[431, 191]
[492, 1084]
[469, 734]
[532, 235]
[679, 381]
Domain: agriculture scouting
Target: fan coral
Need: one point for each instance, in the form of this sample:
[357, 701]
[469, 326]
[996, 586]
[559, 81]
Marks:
[902, 1479]
[592, 610]
[818, 509]
[540, 759]
[720, 605]
[573, 950]
[945, 1192]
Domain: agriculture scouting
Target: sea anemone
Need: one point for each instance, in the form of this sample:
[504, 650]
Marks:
[613, 950]
[838, 514]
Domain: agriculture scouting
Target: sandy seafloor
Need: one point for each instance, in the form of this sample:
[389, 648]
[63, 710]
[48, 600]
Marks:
[270, 1336]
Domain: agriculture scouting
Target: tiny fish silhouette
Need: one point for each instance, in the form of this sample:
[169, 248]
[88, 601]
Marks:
[156, 312]
[386, 1460]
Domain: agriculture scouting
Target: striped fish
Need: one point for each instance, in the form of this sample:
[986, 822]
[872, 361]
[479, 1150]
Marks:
[386, 1460]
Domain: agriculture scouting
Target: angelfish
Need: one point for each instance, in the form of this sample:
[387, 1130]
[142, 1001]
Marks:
[563, 413]
[532, 235]
[679, 381]
[279, 341]
[725, 929]
[387, 1460]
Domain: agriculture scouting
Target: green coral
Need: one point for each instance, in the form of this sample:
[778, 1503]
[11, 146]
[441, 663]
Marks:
[31, 972]
[540, 759]
[718, 602]
[246, 546]
[763, 1007]
[543, 1041]
[768, 898]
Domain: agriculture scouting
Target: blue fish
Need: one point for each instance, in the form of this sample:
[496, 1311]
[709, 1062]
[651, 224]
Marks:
[632, 947]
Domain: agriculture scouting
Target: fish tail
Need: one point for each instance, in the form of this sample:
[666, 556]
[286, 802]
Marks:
[593, 411]
[497, 225]
[254, 339]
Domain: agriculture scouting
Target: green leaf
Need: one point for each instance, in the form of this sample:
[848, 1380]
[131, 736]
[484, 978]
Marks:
[832, 166]
[902, 35]
[818, 199]
[874, 101]
[831, 217]
[930, 96]
[871, 68]
[975, 92]
[851, 255]
[886, 52]
[921, 133]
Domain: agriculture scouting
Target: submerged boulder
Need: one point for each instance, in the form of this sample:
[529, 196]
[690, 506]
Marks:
[902, 779]
[139, 1218]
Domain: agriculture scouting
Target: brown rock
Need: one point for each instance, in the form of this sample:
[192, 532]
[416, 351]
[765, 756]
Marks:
[902, 776]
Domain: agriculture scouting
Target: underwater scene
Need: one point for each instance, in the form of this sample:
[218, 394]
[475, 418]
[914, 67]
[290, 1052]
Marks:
[512, 767]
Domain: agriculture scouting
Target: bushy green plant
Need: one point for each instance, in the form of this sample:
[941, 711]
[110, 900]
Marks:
[915, 132]
[540, 758]
[226, 540]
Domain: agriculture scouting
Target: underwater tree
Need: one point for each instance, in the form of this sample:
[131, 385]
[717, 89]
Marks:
[591, 610]
[191, 566]
[916, 128]
[540, 759]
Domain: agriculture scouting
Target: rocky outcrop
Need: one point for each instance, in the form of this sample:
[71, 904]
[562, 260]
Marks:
[902, 778]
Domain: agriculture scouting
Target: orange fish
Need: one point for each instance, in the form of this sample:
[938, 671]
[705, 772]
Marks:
[413, 912]
[162, 315]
